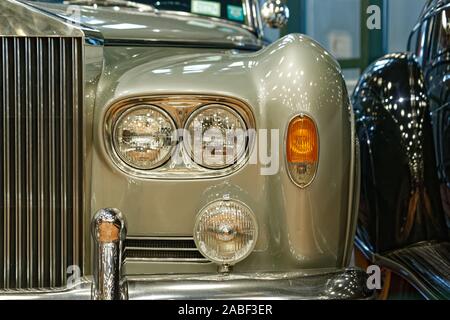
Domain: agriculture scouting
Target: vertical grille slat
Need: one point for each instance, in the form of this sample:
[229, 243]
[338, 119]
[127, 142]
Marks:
[5, 167]
[41, 174]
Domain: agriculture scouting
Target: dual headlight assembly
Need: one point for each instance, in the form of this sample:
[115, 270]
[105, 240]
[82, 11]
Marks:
[144, 136]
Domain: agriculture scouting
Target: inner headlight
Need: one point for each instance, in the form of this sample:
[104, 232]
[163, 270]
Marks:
[144, 137]
[216, 136]
[226, 231]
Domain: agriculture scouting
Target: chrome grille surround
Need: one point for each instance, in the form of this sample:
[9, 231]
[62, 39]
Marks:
[42, 160]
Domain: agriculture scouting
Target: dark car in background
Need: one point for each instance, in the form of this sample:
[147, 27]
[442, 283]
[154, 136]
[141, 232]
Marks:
[402, 110]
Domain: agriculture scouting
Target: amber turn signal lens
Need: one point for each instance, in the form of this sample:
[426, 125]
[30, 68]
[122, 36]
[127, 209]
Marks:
[302, 142]
[302, 150]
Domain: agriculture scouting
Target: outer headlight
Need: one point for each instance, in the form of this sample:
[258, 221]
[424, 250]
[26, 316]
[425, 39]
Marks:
[225, 231]
[144, 137]
[216, 136]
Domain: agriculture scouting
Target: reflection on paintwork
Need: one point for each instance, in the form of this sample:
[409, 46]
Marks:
[293, 75]
[399, 193]
[128, 24]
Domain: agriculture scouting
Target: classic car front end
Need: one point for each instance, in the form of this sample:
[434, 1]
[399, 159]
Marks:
[104, 113]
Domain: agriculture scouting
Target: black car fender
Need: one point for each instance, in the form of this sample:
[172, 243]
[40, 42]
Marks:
[400, 202]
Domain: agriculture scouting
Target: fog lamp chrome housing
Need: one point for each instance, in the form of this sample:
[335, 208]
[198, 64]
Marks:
[226, 231]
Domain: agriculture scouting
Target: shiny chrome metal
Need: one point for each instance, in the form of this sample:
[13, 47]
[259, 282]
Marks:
[187, 143]
[39, 75]
[180, 108]
[127, 112]
[182, 44]
[275, 13]
[224, 268]
[110, 3]
[5, 173]
[257, 20]
[323, 284]
[424, 265]
[109, 232]
[210, 243]
[163, 249]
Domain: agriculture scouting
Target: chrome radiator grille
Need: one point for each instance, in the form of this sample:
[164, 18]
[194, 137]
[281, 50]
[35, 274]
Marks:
[41, 160]
[163, 249]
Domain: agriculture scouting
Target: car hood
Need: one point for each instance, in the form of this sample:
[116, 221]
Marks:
[126, 24]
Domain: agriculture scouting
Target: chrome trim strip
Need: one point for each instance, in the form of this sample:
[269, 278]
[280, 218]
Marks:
[63, 152]
[169, 260]
[161, 249]
[17, 163]
[6, 162]
[161, 238]
[353, 197]
[183, 44]
[40, 137]
[51, 143]
[77, 242]
[320, 284]
[29, 162]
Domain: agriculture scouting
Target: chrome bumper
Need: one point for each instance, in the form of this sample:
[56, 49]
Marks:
[339, 284]
[108, 282]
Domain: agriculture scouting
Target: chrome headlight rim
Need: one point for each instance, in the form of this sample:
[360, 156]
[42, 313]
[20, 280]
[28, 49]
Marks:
[179, 107]
[253, 219]
[129, 110]
[240, 158]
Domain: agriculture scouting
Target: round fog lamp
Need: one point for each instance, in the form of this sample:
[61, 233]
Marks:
[225, 231]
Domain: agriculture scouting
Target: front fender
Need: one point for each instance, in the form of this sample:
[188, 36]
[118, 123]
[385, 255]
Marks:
[299, 228]
[400, 201]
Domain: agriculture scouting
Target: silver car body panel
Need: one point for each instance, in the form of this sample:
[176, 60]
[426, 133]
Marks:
[299, 229]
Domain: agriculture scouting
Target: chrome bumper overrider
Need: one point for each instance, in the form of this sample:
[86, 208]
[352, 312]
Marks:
[108, 283]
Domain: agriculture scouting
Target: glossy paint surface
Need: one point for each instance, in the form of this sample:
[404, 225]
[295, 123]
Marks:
[298, 228]
[129, 25]
[400, 200]
[429, 43]
[437, 79]
[401, 107]
[307, 228]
